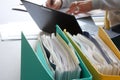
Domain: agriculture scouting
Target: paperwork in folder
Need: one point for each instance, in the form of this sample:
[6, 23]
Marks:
[43, 59]
[94, 55]
[12, 31]
[62, 56]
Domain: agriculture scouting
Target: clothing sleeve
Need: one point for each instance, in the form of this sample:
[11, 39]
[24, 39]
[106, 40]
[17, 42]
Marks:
[106, 4]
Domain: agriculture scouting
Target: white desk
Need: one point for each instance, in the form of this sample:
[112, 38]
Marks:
[8, 15]
[10, 55]
[10, 51]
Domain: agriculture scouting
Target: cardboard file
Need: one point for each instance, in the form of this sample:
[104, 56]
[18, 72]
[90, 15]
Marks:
[31, 68]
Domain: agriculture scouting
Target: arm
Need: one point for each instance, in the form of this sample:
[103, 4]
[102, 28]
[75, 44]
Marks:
[57, 4]
[54, 4]
[106, 4]
[88, 5]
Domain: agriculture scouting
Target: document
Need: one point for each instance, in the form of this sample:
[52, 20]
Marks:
[62, 56]
[43, 59]
[93, 54]
[114, 61]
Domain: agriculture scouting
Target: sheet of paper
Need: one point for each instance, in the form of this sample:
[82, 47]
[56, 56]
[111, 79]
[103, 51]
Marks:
[12, 31]
[62, 56]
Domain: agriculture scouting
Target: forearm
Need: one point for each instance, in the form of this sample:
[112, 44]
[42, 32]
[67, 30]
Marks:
[106, 4]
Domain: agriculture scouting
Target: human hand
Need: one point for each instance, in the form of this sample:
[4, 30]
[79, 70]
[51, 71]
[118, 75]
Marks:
[80, 7]
[54, 4]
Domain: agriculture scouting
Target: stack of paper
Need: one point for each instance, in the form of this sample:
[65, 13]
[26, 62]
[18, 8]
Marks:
[61, 56]
[104, 60]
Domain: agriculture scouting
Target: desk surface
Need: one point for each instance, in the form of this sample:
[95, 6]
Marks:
[10, 51]
[7, 15]
[10, 54]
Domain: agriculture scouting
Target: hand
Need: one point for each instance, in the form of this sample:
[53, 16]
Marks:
[80, 7]
[54, 4]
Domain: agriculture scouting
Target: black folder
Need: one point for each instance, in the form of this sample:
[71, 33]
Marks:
[47, 18]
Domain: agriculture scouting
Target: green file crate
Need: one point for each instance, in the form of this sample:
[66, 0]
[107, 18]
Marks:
[32, 69]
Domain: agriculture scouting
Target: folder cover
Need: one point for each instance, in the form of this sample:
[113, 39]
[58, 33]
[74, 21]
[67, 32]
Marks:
[31, 67]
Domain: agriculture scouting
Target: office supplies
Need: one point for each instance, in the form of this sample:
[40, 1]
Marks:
[105, 37]
[103, 62]
[29, 59]
[65, 62]
[31, 68]
[93, 40]
[114, 34]
[114, 61]
[47, 18]
[44, 59]
[113, 31]
[61, 33]
[96, 74]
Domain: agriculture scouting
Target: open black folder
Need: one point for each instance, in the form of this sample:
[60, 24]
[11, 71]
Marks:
[47, 18]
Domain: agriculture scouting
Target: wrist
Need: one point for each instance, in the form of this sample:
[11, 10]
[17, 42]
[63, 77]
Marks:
[61, 3]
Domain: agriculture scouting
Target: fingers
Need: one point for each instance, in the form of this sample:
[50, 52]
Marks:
[80, 7]
[48, 3]
[57, 4]
[74, 8]
[54, 4]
